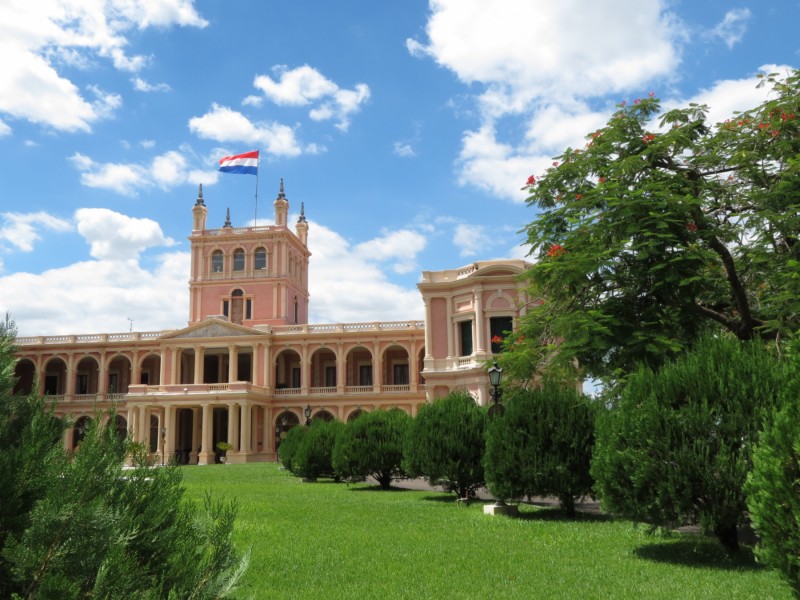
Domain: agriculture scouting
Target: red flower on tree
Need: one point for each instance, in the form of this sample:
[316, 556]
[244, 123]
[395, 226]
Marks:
[648, 138]
[556, 250]
[497, 340]
[691, 226]
[531, 180]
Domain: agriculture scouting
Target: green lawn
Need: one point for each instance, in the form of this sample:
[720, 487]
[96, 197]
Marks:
[327, 540]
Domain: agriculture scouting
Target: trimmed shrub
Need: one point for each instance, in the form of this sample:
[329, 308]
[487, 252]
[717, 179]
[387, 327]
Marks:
[542, 446]
[677, 446]
[289, 446]
[445, 444]
[773, 496]
[313, 457]
[372, 445]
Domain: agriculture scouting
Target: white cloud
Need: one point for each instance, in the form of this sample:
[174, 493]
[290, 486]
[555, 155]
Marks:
[347, 286]
[399, 247]
[542, 63]
[38, 38]
[4, 129]
[22, 229]
[295, 87]
[140, 85]
[733, 26]
[538, 49]
[404, 150]
[114, 236]
[253, 101]
[225, 125]
[498, 168]
[472, 239]
[728, 96]
[165, 171]
[305, 85]
[96, 296]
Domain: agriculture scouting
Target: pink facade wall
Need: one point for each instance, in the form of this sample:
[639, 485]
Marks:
[438, 327]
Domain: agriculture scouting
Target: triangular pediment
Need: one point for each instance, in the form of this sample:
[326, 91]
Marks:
[213, 328]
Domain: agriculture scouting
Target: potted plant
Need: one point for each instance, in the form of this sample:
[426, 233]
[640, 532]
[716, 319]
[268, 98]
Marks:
[223, 448]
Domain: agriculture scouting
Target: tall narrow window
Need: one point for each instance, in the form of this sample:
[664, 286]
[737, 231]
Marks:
[499, 327]
[260, 263]
[238, 260]
[365, 375]
[217, 261]
[330, 376]
[248, 309]
[465, 328]
[400, 374]
[237, 306]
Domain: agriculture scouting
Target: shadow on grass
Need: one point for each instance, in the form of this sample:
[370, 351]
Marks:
[550, 513]
[703, 553]
[365, 487]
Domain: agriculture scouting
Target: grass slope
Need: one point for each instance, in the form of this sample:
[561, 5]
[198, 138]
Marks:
[326, 540]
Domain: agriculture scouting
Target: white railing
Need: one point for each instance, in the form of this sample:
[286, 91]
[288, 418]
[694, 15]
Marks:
[394, 389]
[218, 387]
[359, 389]
[345, 327]
[91, 338]
[288, 392]
[323, 391]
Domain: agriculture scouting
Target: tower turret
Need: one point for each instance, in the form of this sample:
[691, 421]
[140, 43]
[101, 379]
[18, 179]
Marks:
[281, 207]
[302, 225]
[199, 212]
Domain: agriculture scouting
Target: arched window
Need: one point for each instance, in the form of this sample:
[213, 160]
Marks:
[238, 260]
[217, 261]
[260, 260]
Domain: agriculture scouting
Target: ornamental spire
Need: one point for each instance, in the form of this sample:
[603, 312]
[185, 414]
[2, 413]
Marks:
[302, 218]
[228, 218]
[200, 196]
[280, 192]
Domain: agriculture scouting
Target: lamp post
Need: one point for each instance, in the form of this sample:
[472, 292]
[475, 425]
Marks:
[495, 379]
[277, 441]
[163, 441]
[307, 413]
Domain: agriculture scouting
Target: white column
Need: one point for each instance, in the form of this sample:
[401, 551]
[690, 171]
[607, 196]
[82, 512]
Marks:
[233, 426]
[206, 455]
[245, 428]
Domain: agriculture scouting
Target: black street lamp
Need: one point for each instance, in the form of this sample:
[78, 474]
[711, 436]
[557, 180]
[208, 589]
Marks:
[495, 379]
[163, 440]
[307, 413]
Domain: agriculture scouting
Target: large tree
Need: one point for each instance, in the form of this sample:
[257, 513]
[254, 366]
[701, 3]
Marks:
[79, 526]
[446, 443]
[661, 227]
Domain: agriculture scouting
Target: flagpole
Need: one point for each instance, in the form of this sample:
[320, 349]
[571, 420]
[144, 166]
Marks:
[255, 215]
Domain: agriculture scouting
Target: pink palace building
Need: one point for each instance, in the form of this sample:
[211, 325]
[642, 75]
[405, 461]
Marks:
[248, 366]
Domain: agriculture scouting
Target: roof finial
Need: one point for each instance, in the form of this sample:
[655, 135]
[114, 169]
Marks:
[280, 192]
[302, 218]
[228, 218]
[200, 196]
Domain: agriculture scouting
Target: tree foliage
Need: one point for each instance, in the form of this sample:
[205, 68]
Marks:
[542, 445]
[446, 444]
[773, 495]
[677, 446]
[314, 454]
[289, 446]
[661, 228]
[79, 526]
[372, 445]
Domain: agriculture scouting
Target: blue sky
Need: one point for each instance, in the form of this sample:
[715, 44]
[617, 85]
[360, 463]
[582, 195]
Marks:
[406, 128]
